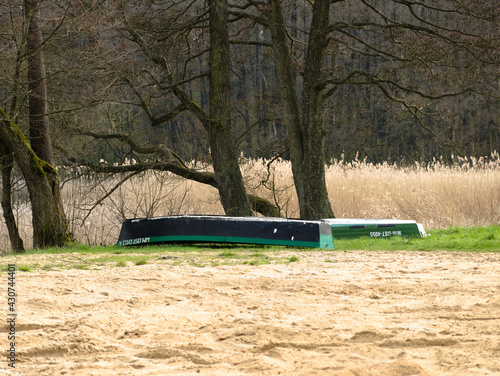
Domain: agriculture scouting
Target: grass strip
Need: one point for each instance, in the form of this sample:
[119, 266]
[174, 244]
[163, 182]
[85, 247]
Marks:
[469, 239]
[76, 256]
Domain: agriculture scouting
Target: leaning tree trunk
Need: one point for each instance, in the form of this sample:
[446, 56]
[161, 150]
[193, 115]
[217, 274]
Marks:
[227, 171]
[42, 181]
[7, 163]
[304, 128]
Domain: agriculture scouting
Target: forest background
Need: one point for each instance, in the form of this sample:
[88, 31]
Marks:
[129, 86]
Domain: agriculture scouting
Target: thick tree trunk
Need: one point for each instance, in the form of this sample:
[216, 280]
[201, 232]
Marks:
[7, 163]
[37, 84]
[49, 222]
[289, 100]
[227, 171]
[304, 128]
[316, 203]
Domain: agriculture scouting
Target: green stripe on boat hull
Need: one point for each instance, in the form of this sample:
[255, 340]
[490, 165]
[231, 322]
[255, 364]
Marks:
[222, 229]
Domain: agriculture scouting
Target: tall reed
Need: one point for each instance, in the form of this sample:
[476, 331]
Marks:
[463, 193]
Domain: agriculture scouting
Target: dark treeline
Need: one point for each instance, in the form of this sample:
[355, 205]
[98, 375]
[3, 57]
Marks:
[99, 79]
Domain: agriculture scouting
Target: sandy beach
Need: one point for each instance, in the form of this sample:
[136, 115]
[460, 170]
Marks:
[329, 313]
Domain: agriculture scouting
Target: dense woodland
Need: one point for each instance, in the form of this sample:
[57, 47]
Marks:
[163, 82]
[99, 78]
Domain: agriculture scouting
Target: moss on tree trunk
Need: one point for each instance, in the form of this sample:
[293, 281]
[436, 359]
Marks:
[49, 222]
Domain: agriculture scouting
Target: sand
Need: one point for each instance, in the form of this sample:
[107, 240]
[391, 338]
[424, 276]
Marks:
[330, 313]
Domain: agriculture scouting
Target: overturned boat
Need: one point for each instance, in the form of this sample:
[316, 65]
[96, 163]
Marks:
[223, 229]
[374, 228]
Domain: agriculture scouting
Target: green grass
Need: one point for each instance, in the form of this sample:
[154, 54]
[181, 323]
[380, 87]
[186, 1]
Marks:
[19, 267]
[75, 256]
[471, 239]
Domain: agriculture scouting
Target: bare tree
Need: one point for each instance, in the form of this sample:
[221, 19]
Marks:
[165, 92]
[304, 123]
[6, 155]
[421, 52]
[49, 222]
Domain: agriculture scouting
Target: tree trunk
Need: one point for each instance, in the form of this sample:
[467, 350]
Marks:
[227, 171]
[35, 158]
[289, 100]
[37, 84]
[42, 180]
[304, 128]
[7, 163]
[316, 202]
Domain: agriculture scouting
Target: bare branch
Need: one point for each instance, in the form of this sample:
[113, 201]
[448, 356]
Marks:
[108, 193]
[156, 120]
[161, 61]
[241, 15]
[380, 82]
[250, 43]
[253, 125]
[259, 204]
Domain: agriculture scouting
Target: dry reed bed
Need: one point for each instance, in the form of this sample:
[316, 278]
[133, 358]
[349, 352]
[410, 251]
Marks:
[465, 193]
